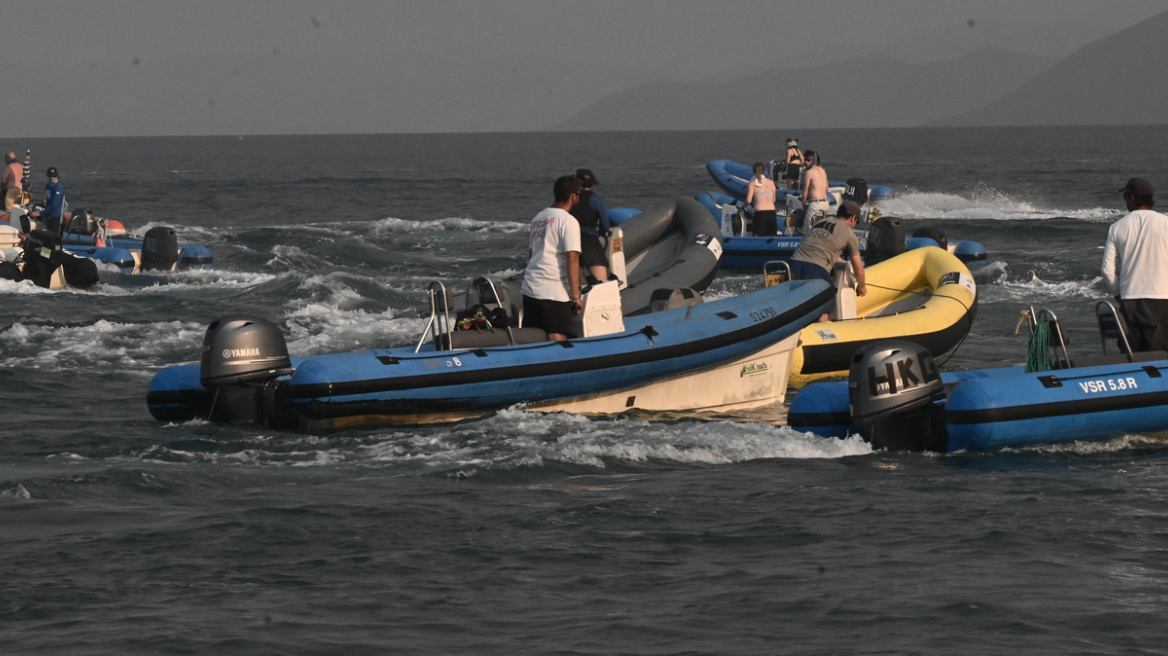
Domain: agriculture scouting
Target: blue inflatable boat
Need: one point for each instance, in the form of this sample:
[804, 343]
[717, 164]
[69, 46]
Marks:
[246, 375]
[732, 178]
[104, 241]
[127, 254]
[741, 251]
[897, 399]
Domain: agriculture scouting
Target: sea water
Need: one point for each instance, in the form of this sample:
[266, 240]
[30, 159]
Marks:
[532, 534]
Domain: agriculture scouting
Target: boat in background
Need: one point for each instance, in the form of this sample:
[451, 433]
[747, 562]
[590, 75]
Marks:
[742, 250]
[732, 178]
[39, 258]
[896, 399]
[103, 240]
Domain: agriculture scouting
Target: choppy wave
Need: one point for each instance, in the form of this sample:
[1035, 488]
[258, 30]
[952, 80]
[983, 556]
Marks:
[97, 346]
[391, 225]
[985, 204]
[1030, 288]
[513, 439]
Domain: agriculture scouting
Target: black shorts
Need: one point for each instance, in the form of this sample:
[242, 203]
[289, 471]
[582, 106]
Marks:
[766, 223]
[552, 316]
[793, 172]
[591, 252]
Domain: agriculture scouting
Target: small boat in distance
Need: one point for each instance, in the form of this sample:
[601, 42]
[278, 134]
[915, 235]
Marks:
[742, 250]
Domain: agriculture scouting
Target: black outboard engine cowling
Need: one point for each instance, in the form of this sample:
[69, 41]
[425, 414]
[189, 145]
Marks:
[82, 223]
[159, 249]
[896, 397]
[42, 257]
[242, 358]
[936, 234]
[885, 240]
[856, 191]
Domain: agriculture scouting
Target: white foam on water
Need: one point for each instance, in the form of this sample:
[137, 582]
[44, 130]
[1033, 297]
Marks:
[333, 324]
[391, 226]
[177, 283]
[1094, 447]
[294, 258]
[515, 437]
[983, 203]
[187, 234]
[1034, 290]
[26, 287]
[97, 346]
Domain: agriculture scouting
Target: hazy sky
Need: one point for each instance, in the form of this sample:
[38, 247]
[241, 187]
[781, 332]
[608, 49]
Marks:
[653, 32]
[125, 67]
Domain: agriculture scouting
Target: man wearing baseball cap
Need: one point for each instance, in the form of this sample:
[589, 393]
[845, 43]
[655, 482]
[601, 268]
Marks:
[1135, 267]
[825, 242]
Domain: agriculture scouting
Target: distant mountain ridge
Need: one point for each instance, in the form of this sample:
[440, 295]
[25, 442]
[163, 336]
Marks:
[875, 91]
[1119, 80]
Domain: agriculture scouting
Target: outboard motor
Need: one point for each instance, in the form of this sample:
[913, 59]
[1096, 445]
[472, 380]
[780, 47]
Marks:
[159, 249]
[42, 257]
[82, 223]
[885, 240]
[936, 234]
[242, 358]
[856, 191]
[896, 397]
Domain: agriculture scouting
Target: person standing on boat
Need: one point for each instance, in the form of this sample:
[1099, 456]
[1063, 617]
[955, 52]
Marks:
[10, 182]
[53, 205]
[826, 242]
[592, 214]
[1135, 264]
[760, 192]
[794, 162]
[551, 281]
[814, 194]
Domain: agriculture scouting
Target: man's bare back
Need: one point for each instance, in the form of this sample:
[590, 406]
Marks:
[814, 184]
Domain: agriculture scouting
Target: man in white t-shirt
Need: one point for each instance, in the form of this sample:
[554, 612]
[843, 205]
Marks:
[551, 281]
[1135, 267]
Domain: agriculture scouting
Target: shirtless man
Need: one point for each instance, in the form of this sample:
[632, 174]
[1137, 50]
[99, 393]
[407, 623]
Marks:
[760, 192]
[814, 195]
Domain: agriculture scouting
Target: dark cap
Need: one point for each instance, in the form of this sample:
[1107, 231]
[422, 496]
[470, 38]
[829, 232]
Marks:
[848, 208]
[52, 172]
[1138, 187]
[585, 176]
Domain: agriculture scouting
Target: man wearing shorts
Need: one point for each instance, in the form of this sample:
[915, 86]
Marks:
[825, 242]
[551, 281]
[814, 195]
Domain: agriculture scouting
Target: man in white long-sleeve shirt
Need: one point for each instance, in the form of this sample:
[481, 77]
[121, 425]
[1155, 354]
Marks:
[1135, 267]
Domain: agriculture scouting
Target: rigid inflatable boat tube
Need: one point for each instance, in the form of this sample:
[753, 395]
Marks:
[694, 267]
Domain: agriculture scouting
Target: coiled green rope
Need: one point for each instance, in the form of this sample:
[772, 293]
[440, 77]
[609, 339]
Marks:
[1038, 351]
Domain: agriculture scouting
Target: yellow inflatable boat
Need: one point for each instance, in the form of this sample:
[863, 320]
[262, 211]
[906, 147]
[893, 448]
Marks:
[925, 295]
